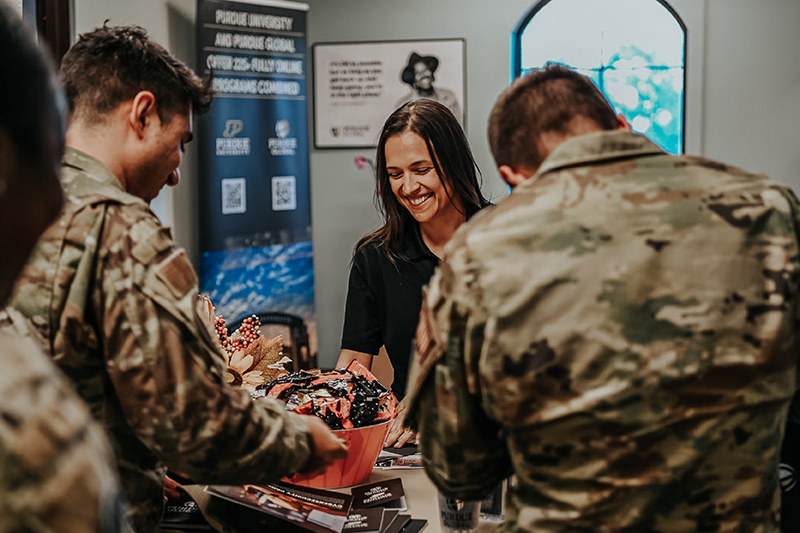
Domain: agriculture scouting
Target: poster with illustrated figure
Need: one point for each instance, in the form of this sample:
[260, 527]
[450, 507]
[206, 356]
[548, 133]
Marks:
[256, 255]
[358, 85]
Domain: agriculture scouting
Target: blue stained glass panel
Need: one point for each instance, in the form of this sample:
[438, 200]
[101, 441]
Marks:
[633, 50]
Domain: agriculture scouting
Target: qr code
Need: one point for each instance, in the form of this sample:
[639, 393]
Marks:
[234, 196]
[284, 193]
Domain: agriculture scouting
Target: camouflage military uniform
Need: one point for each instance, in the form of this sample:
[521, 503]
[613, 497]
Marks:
[116, 301]
[56, 468]
[620, 333]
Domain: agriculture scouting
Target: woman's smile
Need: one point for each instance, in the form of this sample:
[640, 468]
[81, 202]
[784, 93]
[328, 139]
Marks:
[414, 180]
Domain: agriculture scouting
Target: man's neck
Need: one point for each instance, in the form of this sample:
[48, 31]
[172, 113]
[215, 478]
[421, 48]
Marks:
[101, 142]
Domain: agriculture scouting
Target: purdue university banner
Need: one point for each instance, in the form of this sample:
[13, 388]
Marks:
[255, 220]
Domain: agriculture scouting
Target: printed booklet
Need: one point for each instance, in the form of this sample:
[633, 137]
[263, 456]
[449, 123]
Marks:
[322, 511]
[388, 494]
[406, 457]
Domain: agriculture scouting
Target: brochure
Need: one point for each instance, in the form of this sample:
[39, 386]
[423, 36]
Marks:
[318, 510]
[415, 525]
[406, 457]
[392, 452]
[407, 461]
[364, 520]
[388, 494]
[388, 517]
[183, 513]
[397, 524]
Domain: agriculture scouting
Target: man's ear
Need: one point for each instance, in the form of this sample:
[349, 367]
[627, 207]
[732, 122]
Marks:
[622, 123]
[142, 112]
[515, 175]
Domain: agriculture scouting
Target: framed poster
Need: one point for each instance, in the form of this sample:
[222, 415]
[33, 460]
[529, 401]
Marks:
[358, 85]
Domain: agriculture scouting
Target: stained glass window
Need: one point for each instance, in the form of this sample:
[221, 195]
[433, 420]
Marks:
[634, 50]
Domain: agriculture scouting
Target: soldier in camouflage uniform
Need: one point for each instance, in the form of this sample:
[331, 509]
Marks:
[115, 300]
[56, 467]
[619, 332]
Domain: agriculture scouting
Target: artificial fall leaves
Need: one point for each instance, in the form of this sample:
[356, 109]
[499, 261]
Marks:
[251, 358]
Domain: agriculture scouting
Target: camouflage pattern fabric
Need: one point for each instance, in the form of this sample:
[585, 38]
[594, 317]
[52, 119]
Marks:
[620, 333]
[116, 301]
[57, 471]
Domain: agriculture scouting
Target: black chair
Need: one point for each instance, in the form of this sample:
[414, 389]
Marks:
[297, 348]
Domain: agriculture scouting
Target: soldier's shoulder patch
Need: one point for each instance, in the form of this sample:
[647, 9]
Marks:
[178, 274]
[149, 240]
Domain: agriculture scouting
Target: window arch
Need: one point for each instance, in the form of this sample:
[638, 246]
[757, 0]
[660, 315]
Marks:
[634, 50]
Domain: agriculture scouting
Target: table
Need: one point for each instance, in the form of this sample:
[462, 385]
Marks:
[421, 496]
[420, 493]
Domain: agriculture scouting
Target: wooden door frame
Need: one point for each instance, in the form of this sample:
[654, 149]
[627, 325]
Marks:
[53, 21]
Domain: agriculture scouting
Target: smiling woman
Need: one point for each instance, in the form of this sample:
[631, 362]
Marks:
[427, 186]
[419, 189]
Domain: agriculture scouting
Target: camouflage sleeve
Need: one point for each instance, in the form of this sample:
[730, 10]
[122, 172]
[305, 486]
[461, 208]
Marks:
[167, 372]
[794, 408]
[56, 468]
[790, 449]
[462, 448]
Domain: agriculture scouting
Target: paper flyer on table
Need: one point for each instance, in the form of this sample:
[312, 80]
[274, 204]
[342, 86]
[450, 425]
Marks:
[318, 510]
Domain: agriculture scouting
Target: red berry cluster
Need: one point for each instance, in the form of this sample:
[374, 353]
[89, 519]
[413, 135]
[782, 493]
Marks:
[222, 331]
[248, 332]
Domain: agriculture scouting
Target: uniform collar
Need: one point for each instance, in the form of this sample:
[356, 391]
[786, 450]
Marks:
[85, 176]
[598, 147]
[92, 167]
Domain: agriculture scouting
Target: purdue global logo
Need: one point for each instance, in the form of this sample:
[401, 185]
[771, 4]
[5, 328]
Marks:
[282, 144]
[231, 145]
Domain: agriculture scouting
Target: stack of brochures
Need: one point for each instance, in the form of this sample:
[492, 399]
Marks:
[373, 508]
[378, 508]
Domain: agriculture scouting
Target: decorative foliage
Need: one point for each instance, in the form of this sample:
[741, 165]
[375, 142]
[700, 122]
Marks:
[251, 359]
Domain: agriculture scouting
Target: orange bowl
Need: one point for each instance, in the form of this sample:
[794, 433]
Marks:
[364, 445]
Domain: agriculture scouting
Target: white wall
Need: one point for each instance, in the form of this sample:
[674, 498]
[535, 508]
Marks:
[743, 101]
[752, 90]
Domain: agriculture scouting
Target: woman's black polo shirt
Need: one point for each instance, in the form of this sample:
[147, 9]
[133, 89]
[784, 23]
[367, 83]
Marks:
[383, 301]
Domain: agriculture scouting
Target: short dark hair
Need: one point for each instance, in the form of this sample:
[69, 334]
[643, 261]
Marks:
[31, 104]
[451, 157]
[543, 100]
[110, 65]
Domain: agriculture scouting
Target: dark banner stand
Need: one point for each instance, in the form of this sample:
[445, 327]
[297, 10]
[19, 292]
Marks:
[256, 255]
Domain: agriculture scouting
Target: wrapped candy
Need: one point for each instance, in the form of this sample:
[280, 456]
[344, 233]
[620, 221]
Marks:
[346, 398]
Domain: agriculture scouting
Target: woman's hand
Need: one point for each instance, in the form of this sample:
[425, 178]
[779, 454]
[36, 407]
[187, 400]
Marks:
[345, 356]
[399, 435]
